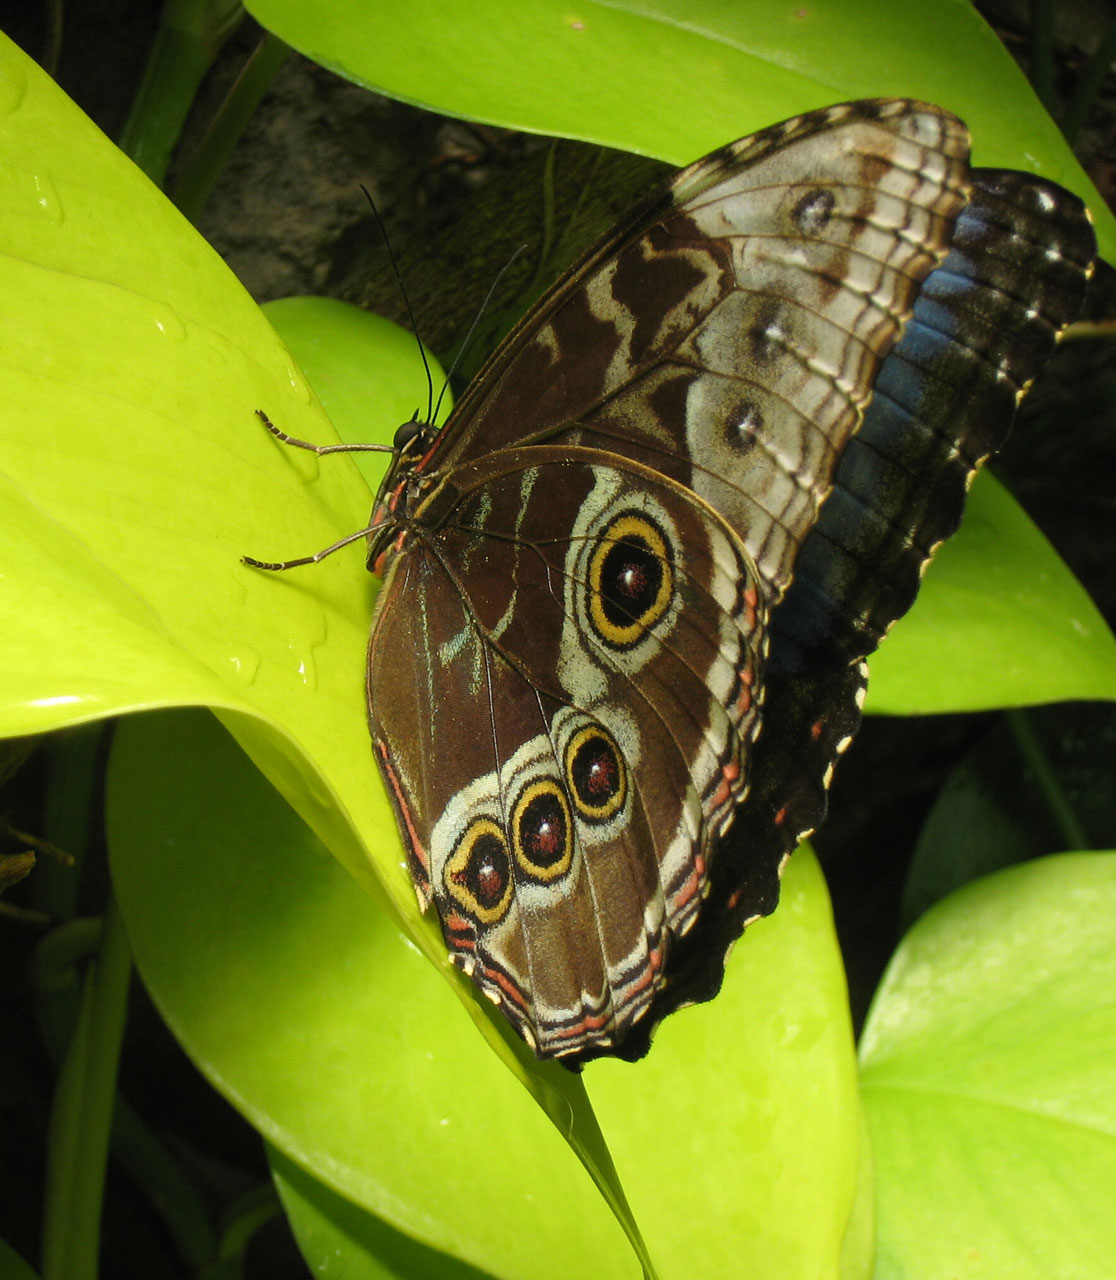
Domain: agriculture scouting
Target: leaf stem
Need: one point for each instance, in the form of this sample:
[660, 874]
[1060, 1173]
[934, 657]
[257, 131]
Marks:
[202, 166]
[1088, 86]
[189, 36]
[1031, 749]
[82, 1113]
[1042, 52]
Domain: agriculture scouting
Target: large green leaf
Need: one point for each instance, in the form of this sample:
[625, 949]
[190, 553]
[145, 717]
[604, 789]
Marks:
[676, 78]
[989, 1077]
[303, 1003]
[135, 475]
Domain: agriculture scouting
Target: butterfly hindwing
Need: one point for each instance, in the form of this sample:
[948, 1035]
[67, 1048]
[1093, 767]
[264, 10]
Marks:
[593, 635]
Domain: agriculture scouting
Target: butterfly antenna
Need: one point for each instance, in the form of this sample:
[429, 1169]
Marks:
[476, 320]
[407, 303]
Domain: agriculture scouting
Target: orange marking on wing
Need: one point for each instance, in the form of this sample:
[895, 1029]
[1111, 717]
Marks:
[459, 926]
[508, 987]
[690, 888]
[650, 973]
[591, 1022]
[419, 853]
[730, 775]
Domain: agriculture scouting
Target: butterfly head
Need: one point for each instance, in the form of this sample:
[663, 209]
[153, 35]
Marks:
[407, 433]
[400, 491]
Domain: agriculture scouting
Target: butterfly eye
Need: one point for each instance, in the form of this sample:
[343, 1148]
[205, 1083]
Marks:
[478, 872]
[631, 580]
[405, 433]
[541, 830]
[596, 774]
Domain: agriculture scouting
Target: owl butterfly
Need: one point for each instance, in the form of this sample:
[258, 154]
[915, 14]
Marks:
[629, 586]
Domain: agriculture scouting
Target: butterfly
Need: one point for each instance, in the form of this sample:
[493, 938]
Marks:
[629, 586]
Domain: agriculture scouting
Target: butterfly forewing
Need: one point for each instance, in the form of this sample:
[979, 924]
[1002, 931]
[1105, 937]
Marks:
[730, 337]
[598, 767]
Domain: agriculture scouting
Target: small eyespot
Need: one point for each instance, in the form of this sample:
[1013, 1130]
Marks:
[541, 831]
[596, 774]
[478, 873]
[812, 212]
[743, 425]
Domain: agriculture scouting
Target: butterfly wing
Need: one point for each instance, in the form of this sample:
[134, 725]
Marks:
[589, 638]
[702, 377]
[984, 325]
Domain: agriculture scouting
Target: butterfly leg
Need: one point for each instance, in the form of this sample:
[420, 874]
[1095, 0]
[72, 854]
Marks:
[276, 565]
[319, 448]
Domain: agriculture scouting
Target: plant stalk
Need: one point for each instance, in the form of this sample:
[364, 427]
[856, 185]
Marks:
[81, 1116]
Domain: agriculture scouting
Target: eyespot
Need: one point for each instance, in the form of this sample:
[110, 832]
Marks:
[596, 774]
[542, 833]
[813, 211]
[478, 872]
[631, 580]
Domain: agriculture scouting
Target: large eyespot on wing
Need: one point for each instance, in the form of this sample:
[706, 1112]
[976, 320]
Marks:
[629, 591]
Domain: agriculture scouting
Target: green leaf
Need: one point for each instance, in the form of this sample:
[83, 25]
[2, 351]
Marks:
[988, 1072]
[1000, 622]
[303, 1003]
[360, 1244]
[676, 78]
[738, 1090]
[1036, 782]
[12, 1266]
[136, 475]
